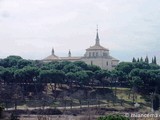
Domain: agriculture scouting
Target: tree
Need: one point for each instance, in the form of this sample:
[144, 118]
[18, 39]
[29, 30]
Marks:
[141, 65]
[22, 63]
[125, 67]
[146, 59]
[81, 64]
[133, 60]
[138, 79]
[10, 61]
[60, 65]
[52, 76]
[10, 93]
[93, 68]
[25, 77]
[114, 79]
[101, 75]
[155, 102]
[113, 117]
[70, 77]
[154, 60]
[154, 66]
[141, 60]
[90, 77]
[17, 95]
[82, 78]
[71, 67]
[136, 83]
[138, 60]
[7, 75]
[122, 78]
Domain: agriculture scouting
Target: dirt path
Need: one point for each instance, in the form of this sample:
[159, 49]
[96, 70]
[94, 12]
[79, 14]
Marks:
[60, 108]
[58, 117]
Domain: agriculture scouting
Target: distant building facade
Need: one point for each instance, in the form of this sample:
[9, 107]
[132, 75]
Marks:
[94, 55]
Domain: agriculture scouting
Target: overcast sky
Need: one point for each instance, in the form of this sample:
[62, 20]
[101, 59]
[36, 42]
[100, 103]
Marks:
[128, 28]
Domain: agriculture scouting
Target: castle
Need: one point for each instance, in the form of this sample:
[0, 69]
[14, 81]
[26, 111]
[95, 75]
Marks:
[94, 55]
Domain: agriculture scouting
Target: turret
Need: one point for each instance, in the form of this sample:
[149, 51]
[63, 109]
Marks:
[69, 53]
[97, 38]
[52, 51]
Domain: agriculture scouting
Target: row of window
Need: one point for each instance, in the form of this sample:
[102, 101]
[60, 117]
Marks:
[95, 54]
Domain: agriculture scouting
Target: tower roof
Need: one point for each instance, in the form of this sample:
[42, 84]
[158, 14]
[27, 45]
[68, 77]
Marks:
[97, 45]
[52, 57]
[52, 51]
[97, 38]
[69, 53]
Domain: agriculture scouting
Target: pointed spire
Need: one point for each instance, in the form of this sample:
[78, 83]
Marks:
[52, 51]
[69, 53]
[97, 37]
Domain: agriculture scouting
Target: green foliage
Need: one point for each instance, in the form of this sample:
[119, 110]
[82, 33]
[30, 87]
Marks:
[10, 61]
[154, 60]
[7, 74]
[70, 75]
[143, 75]
[154, 66]
[126, 67]
[93, 68]
[141, 65]
[14, 57]
[82, 78]
[26, 74]
[22, 63]
[60, 65]
[81, 64]
[137, 82]
[146, 59]
[90, 74]
[133, 60]
[52, 76]
[71, 67]
[100, 74]
[113, 117]
[15, 69]
[150, 78]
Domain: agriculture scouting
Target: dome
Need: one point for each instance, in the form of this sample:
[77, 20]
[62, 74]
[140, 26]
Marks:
[97, 47]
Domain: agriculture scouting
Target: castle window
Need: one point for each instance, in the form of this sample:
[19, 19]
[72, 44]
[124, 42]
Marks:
[93, 54]
[96, 54]
[89, 54]
[91, 62]
[104, 54]
[107, 63]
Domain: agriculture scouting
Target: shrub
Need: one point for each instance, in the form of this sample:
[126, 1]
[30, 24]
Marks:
[113, 117]
[13, 117]
[1, 111]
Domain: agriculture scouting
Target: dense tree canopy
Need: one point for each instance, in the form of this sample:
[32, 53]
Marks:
[16, 70]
